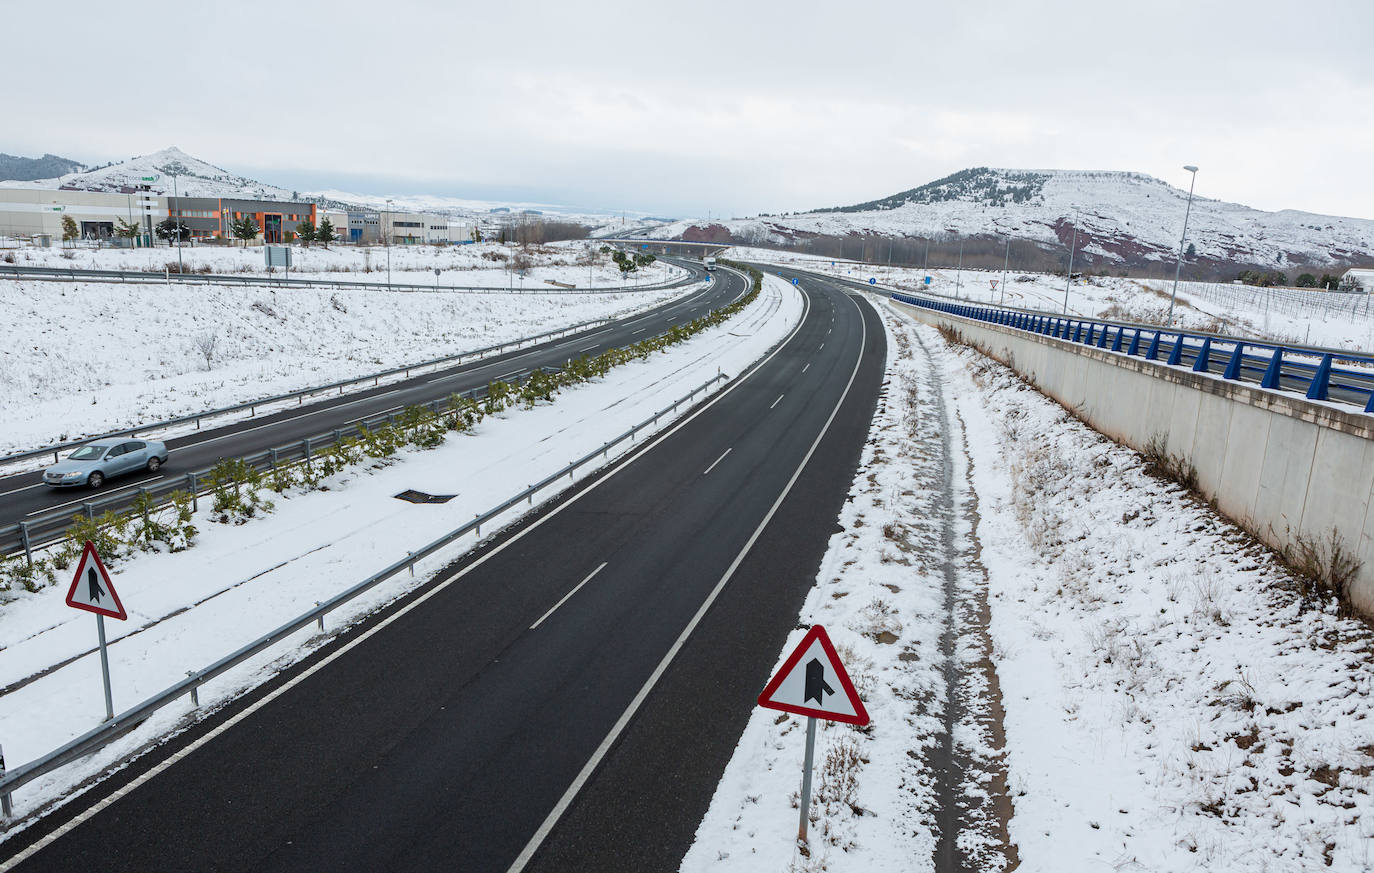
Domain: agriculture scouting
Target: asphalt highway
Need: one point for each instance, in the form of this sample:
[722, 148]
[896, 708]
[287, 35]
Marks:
[24, 497]
[564, 698]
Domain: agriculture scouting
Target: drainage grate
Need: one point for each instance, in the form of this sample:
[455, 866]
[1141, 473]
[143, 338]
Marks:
[410, 495]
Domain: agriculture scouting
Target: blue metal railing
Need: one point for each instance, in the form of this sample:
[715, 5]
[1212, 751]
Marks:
[1319, 374]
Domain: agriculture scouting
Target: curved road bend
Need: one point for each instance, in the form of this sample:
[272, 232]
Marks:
[24, 496]
[564, 698]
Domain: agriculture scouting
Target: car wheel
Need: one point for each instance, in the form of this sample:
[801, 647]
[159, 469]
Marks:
[96, 480]
[153, 463]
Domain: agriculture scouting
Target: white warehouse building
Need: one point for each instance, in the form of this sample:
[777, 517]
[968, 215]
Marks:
[27, 212]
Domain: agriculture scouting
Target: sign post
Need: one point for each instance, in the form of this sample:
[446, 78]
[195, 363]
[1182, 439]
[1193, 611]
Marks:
[805, 677]
[91, 590]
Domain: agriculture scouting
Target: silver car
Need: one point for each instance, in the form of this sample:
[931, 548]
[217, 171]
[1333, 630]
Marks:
[95, 462]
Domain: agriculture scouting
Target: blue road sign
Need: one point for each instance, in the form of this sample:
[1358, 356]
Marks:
[927, 280]
[709, 278]
[872, 281]
[794, 280]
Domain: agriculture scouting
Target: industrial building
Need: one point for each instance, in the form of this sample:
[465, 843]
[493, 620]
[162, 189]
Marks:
[210, 217]
[37, 212]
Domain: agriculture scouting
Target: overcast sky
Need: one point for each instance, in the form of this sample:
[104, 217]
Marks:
[733, 108]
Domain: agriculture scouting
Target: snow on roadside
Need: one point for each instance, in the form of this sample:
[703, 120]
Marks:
[1172, 703]
[87, 358]
[902, 569]
[189, 608]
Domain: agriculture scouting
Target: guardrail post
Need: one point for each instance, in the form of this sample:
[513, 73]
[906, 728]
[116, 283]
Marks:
[6, 807]
[1274, 370]
[24, 535]
[1321, 380]
[479, 525]
[90, 510]
[195, 492]
[412, 563]
[1233, 365]
[272, 453]
[1204, 356]
[1116, 343]
[319, 622]
[195, 689]
[1135, 344]
[1176, 353]
[1153, 353]
[305, 443]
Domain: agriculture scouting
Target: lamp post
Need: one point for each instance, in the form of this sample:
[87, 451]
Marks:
[1178, 268]
[1069, 278]
[177, 220]
[387, 243]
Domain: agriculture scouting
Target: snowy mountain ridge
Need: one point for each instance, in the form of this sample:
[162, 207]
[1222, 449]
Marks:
[194, 178]
[1122, 218]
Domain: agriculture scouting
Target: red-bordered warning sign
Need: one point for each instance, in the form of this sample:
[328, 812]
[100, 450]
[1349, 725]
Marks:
[91, 589]
[813, 682]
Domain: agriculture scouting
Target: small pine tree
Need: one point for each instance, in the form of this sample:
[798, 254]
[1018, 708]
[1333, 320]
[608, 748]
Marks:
[306, 231]
[244, 229]
[325, 233]
[127, 229]
[1191, 253]
[69, 229]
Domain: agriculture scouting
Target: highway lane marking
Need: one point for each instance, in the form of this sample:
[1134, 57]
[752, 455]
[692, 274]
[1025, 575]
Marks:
[293, 418]
[576, 589]
[85, 815]
[589, 348]
[633, 332]
[86, 499]
[17, 490]
[822, 346]
[718, 460]
[503, 378]
[776, 402]
[807, 367]
[619, 727]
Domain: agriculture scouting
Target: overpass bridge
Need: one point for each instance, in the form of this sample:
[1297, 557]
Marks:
[681, 248]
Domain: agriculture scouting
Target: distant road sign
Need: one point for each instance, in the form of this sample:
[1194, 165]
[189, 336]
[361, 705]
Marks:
[91, 589]
[794, 280]
[872, 281]
[813, 682]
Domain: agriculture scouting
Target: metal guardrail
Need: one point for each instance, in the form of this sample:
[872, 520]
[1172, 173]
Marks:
[126, 721]
[71, 274]
[1313, 372]
[302, 393]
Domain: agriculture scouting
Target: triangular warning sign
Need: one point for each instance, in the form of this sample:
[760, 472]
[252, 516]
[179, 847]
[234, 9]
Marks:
[812, 681]
[91, 589]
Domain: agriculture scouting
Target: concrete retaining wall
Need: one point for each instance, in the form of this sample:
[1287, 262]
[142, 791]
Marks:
[1279, 464]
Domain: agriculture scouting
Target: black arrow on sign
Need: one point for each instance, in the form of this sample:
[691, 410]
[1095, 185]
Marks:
[96, 591]
[816, 686]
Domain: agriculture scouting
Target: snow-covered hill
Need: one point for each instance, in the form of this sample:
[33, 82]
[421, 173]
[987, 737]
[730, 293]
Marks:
[195, 178]
[1123, 218]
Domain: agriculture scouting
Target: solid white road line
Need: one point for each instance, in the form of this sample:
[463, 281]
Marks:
[776, 402]
[718, 460]
[508, 375]
[85, 499]
[807, 367]
[576, 589]
[633, 332]
[544, 829]
[114, 797]
[589, 348]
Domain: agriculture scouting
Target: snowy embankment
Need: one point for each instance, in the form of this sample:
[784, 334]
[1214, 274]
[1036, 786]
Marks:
[486, 265]
[1171, 702]
[1111, 297]
[189, 608]
[87, 358]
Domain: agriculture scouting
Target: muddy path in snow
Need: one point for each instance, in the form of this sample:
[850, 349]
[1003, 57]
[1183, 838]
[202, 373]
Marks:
[972, 807]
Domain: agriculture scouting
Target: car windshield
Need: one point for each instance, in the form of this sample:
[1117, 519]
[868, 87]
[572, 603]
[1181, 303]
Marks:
[87, 453]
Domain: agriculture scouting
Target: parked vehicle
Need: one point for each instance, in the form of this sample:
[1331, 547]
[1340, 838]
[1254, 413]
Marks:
[97, 461]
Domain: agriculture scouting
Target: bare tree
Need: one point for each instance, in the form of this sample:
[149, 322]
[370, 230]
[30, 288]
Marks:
[206, 344]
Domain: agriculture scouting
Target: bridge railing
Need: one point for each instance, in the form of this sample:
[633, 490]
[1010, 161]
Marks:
[1326, 375]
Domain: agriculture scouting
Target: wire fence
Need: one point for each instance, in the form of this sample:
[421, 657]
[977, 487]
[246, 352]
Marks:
[1295, 302]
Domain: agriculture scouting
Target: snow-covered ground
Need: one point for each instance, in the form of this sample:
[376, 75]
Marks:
[86, 358]
[1170, 701]
[484, 265]
[315, 545]
[1201, 306]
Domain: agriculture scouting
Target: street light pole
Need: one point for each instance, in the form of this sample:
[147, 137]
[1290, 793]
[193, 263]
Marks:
[387, 242]
[1069, 278]
[177, 197]
[1178, 268]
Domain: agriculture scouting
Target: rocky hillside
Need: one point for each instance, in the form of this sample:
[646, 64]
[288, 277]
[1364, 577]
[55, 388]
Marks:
[26, 169]
[194, 178]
